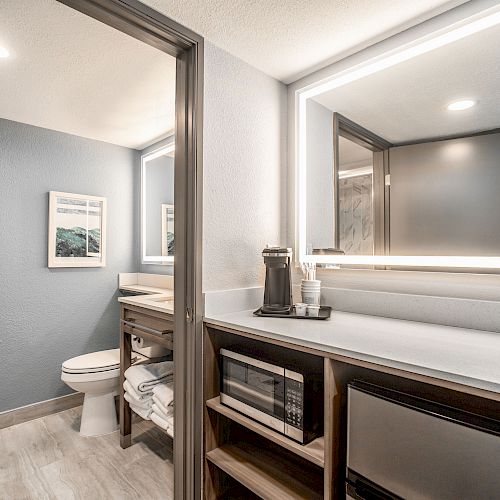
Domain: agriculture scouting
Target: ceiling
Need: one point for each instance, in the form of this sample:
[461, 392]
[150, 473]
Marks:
[408, 102]
[288, 39]
[73, 74]
[352, 155]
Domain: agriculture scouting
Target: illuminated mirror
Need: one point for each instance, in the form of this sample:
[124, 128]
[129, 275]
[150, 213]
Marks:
[399, 159]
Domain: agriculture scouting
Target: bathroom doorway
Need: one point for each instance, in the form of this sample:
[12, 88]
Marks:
[139, 21]
[70, 170]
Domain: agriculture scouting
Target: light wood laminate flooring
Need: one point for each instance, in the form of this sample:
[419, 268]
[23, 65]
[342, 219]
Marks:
[47, 458]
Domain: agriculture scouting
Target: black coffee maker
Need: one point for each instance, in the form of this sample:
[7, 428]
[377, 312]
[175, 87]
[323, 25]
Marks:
[278, 288]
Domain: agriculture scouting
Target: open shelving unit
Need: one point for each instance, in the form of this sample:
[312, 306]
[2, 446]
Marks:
[314, 451]
[240, 450]
[265, 474]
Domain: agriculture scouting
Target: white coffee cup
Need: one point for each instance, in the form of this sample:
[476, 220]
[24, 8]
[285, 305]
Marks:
[311, 297]
[313, 310]
[300, 309]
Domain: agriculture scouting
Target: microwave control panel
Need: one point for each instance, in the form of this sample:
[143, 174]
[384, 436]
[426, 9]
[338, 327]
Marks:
[294, 399]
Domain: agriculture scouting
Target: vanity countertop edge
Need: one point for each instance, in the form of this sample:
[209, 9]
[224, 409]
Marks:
[458, 355]
[160, 302]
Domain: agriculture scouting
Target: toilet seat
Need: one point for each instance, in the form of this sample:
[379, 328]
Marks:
[93, 362]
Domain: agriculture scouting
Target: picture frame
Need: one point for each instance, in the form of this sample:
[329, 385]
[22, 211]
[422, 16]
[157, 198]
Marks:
[77, 230]
[167, 230]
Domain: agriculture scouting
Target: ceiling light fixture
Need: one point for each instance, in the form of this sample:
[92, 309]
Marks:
[461, 105]
[4, 53]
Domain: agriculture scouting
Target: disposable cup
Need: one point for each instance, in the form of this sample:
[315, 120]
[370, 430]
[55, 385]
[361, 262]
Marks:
[313, 310]
[300, 309]
[311, 282]
[310, 297]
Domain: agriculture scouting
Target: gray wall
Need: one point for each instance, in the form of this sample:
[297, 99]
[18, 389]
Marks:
[320, 222]
[50, 315]
[159, 190]
[444, 197]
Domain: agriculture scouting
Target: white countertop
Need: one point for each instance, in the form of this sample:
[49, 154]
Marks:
[143, 289]
[161, 302]
[468, 357]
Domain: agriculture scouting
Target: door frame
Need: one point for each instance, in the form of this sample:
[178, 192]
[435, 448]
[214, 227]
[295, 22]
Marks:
[148, 25]
[343, 127]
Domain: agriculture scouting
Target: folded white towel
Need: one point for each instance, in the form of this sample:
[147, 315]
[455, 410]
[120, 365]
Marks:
[145, 414]
[164, 393]
[139, 396]
[160, 422]
[144, 377]
[145, 404]
[161, 413]
[166, 410]
[166, 425]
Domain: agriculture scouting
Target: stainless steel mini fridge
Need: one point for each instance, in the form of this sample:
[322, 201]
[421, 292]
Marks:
[401, 446]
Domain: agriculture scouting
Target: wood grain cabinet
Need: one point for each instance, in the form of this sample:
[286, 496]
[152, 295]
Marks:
[245, 459]
[243, 453]
[151, 325]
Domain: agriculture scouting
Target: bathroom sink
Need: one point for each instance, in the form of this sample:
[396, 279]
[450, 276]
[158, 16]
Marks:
[167, 302]
[161, 299]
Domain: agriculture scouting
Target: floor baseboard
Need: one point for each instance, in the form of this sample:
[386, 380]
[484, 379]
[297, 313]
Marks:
[41, 409]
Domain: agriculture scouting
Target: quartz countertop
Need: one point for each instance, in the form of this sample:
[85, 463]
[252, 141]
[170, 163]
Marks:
[467, 357]
[143, 289]
[161, 302]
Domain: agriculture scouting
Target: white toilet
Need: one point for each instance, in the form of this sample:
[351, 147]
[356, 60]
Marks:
[96, 375]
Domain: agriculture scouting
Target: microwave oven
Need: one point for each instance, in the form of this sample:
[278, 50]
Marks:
[285, 400]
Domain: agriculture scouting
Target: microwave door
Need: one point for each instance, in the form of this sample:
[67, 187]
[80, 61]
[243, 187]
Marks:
[254, 391]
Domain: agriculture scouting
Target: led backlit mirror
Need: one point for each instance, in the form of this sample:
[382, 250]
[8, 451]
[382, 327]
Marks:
[157, 206]
[401, 165]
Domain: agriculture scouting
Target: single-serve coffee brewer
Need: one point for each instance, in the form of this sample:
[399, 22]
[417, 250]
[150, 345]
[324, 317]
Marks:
[278, 288]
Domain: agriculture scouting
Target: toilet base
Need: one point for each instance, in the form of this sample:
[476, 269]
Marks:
[98, 414]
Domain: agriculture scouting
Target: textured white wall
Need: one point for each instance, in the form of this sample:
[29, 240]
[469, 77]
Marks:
[243, 171]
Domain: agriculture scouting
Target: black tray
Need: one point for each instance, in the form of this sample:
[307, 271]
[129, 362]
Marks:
[324, 313]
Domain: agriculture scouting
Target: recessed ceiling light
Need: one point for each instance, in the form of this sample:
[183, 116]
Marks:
[461, 105]
[4, 53]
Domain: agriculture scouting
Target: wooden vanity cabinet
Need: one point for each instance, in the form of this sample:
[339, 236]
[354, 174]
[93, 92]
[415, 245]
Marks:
[151, 325]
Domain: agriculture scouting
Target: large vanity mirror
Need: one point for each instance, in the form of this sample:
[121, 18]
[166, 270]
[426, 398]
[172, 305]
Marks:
[157, 206]
[399, 160]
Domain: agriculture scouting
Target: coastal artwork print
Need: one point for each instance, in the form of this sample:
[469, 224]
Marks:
[76, 230]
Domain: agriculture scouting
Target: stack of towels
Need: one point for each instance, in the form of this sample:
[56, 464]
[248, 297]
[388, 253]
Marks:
[163, 407]
[140, 383]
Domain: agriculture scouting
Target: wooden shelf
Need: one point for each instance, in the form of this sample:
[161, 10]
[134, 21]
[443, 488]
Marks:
[265, 473]
[165, 340]
[314, 451]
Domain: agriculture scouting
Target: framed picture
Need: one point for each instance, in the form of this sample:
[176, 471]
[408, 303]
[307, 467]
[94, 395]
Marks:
[167, 230]
[77, 230]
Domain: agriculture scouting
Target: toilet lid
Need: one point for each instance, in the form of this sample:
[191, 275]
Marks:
[93, 362]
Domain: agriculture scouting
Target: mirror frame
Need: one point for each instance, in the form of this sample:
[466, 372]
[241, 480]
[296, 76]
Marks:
[473, 23]
[145, 158]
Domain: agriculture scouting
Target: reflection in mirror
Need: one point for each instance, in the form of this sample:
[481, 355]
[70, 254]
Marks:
[355, 178]
[157, 222]
[432, 189]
